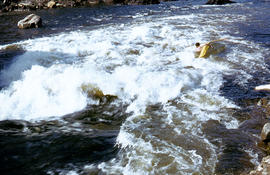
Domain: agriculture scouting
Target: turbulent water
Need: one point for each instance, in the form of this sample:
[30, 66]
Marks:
[118, 90]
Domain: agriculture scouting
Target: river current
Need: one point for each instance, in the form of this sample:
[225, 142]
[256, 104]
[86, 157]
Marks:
[118, 90]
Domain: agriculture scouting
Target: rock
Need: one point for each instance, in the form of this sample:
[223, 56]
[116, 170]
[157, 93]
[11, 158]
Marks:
[60, 5]
[8, 5]
[95, 93]
[219, 2]
[12, 125]
[93, 2]
[263, 168]
[263, 87]
[6, 2]
[27, 5]
[141, 2]
[108, 1]
[51, 4]
[30, 21]
[265, 134]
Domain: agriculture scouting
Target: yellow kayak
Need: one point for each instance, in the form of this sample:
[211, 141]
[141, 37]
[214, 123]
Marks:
[204, 51]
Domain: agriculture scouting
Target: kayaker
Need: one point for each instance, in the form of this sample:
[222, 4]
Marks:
[199, 48]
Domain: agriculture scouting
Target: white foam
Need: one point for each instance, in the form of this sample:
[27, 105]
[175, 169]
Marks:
[43, 93]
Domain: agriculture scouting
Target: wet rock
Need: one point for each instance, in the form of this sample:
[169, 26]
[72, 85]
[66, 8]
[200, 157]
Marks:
[265, 135]
[30, 21]
[232, 158]
[12, 125]
[105, 116]
[8, 5]
[263, 168]
[141, 2]
[95, 93]
[264, 143]
[265, 104]
[100, 116]
[36, 129]
[253, 121]
[265, 87]
[51, 4]
[219, 2]
[31, 5]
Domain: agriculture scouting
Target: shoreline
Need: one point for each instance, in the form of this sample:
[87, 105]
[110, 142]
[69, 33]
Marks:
[32, 5]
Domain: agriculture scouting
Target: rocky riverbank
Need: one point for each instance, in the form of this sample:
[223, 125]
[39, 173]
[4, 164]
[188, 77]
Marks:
[19, 5]
[11, 5]
[264, 141]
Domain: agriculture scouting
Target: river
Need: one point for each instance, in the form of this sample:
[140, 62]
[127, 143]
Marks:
[117, 89]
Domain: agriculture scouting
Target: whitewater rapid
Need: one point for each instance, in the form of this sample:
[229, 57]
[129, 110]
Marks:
[145, 62]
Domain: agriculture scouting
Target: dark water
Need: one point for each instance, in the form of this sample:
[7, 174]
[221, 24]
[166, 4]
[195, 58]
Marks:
[89, 136]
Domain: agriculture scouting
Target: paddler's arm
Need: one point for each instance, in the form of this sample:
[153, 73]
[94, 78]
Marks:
[216, 40]
[209, 43]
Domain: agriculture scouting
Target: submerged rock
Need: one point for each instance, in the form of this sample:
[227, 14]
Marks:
[30, 21]
[219, 2]
[95, 93]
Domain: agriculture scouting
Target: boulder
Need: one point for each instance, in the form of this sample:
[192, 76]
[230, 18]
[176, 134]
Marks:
[51, 4]
[27, 5]
[8, 5]
[265, 87]
[30, 21]
[219, 2]
[93, 2]
[265, 134]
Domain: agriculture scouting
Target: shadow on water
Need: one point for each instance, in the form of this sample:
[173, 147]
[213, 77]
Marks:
[40, 152]
[79, 139]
